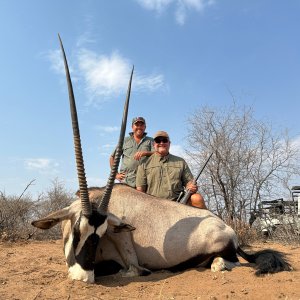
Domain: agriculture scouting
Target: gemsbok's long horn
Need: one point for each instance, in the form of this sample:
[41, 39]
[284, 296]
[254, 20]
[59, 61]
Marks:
[84, 196]
[108, 189]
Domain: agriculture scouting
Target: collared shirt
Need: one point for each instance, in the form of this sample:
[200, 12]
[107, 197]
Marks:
[129, 165]
[164, 177]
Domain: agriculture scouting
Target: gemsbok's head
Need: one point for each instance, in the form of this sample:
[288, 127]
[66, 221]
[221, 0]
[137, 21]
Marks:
[84, 222]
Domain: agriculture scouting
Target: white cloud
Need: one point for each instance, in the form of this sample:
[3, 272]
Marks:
[107, 76]
[56, 62]
[87, 37]
[158, 5]
[182, 7]
[104, 76]
[108, 146]
[42, 165]
[108, 129]
[151, 82]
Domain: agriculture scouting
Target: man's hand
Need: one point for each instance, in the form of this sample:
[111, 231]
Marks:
[141, 189]
[120, 176]
[138, 155]
[192, 187]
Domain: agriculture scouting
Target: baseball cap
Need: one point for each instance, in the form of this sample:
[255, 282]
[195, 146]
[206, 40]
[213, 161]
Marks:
[161, 133]
[138, 119]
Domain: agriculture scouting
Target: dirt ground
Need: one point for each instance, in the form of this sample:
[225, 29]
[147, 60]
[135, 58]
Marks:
[37, 270]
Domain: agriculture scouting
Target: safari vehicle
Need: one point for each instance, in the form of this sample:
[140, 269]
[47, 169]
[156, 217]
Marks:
[278, 216]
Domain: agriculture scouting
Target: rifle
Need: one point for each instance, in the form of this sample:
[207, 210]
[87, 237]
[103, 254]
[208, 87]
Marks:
[187, 193]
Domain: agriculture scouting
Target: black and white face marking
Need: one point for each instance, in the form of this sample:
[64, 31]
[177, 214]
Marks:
[80, 249]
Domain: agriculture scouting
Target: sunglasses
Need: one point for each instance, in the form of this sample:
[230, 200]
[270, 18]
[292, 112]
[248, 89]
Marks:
[161, 140]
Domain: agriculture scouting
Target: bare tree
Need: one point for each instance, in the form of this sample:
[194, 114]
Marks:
[251, 160]
[17, 212]
[55, 198]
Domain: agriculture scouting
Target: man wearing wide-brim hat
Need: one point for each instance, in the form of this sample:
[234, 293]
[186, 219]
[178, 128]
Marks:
[165, 175]
[137, 147]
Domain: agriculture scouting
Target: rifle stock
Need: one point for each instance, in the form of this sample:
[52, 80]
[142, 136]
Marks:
[186, 197]
[188, 193]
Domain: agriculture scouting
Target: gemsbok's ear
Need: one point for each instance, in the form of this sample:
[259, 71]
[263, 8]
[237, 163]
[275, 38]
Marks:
[123, 227]
[52, 219]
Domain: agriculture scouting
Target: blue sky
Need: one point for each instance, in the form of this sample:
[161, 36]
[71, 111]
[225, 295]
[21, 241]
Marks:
[186, 54]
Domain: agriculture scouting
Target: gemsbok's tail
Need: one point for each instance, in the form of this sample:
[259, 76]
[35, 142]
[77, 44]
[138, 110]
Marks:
[266, 261]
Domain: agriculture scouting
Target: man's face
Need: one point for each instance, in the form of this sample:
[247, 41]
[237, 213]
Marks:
[139, 128]
[162, 145]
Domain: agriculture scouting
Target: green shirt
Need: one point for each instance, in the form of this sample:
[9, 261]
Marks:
[164, 177]
[129, 165]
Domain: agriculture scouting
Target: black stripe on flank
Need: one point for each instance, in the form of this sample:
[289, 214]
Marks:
[190, 263]
[228, 253]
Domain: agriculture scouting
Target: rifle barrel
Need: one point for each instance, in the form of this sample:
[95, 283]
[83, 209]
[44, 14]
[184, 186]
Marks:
[203, 167]
[188, 193]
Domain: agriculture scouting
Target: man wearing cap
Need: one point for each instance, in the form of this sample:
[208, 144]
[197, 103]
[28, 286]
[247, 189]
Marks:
[165, 175]
[136, 149]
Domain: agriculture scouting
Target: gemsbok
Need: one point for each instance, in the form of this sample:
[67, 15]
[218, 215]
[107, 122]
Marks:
[140, 232]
